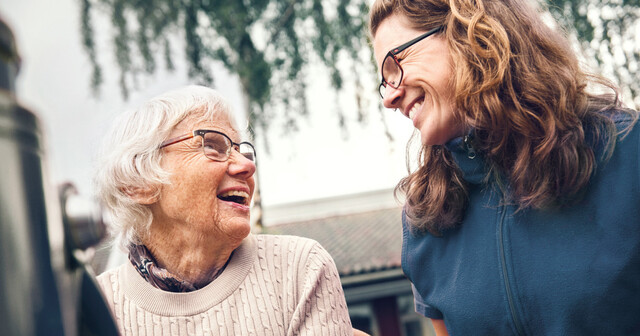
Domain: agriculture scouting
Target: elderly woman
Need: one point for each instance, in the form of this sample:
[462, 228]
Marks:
[177, 180]
[523, 217]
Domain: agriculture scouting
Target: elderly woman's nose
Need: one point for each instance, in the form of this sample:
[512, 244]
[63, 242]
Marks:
[392, 96]
[241, 165]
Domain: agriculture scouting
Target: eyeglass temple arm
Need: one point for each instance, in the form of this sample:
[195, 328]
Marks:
[416, 40]
[177, 139]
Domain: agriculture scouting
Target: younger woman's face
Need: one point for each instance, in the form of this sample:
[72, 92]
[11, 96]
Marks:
[425, 94]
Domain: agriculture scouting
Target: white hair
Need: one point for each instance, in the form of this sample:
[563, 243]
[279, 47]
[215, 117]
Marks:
[129, 158]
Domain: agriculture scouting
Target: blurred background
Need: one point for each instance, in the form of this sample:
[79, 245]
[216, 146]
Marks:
[300, 76]
[315, 158]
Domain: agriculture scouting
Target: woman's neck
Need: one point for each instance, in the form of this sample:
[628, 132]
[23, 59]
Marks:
[195, 258]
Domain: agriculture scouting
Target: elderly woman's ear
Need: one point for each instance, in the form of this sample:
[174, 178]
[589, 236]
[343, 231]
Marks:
[142, 195]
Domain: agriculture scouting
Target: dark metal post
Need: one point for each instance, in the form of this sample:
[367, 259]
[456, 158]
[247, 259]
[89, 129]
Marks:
[42, 292]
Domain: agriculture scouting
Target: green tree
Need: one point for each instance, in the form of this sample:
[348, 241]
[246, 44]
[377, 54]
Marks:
[267, 43]
[608, 35]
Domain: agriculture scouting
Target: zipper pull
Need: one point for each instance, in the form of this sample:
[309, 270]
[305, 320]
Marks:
[471, 152]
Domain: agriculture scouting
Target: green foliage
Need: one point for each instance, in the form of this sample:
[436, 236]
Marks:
[267, 43]
[607, 33]
[88, 42]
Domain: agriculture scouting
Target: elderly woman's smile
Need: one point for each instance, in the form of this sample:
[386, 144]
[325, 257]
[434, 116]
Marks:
[240, 197]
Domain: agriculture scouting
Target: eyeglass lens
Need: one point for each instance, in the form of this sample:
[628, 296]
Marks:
[247, 151]
[218, 147]
[391, 71]
[391, 74]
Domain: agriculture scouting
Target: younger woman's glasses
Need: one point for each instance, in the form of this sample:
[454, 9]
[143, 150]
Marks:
[391, 70]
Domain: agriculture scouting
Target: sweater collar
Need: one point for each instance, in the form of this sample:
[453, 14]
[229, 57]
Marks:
[144, 262]
[167, 303]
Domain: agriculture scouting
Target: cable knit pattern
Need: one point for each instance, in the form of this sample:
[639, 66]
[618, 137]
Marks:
[273, 285]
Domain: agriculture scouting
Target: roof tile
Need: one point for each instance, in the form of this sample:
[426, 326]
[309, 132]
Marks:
[359, 243]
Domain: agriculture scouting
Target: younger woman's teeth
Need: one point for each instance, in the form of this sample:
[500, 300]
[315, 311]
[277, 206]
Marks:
[414, 109]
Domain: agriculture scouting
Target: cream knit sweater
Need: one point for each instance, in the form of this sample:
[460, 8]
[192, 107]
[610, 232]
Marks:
[273, 285]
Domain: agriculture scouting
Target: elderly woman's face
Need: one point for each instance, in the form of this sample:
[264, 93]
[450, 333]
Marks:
[425, 93]
[198, 196]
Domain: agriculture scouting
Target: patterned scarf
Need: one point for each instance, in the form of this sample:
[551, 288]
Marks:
[157, 276]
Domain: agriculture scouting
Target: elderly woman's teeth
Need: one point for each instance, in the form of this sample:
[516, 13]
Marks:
[236, 196]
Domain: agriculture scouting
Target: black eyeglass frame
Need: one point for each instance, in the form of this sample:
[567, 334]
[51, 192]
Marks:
[393, 52]
[201, 133]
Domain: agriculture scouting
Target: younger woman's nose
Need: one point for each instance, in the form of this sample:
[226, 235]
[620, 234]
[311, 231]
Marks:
[392, 97]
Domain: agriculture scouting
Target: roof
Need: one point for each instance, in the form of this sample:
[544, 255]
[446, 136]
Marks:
[359, 243]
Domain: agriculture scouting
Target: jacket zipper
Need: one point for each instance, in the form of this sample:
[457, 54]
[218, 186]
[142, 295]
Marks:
[503, 261]
[468, 144]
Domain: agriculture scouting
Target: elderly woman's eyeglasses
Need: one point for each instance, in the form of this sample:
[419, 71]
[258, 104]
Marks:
[391, 70]
[216, 145]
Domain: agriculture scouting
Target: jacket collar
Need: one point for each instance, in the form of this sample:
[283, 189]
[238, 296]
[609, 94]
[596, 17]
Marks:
[470, 161]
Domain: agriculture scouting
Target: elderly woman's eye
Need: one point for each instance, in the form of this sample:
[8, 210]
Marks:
[214, 146]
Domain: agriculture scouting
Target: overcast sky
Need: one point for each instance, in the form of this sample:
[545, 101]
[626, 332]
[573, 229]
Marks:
[316, 162]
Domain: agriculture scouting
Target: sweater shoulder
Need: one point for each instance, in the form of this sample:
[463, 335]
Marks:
[293, 243]
[293, 250]
[265, 237]
[108, 282]
[108, 278]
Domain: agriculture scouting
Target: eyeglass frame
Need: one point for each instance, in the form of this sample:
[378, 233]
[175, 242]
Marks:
[393, 52]
[201, 133]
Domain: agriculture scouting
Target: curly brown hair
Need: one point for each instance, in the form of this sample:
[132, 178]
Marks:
[519, 86]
